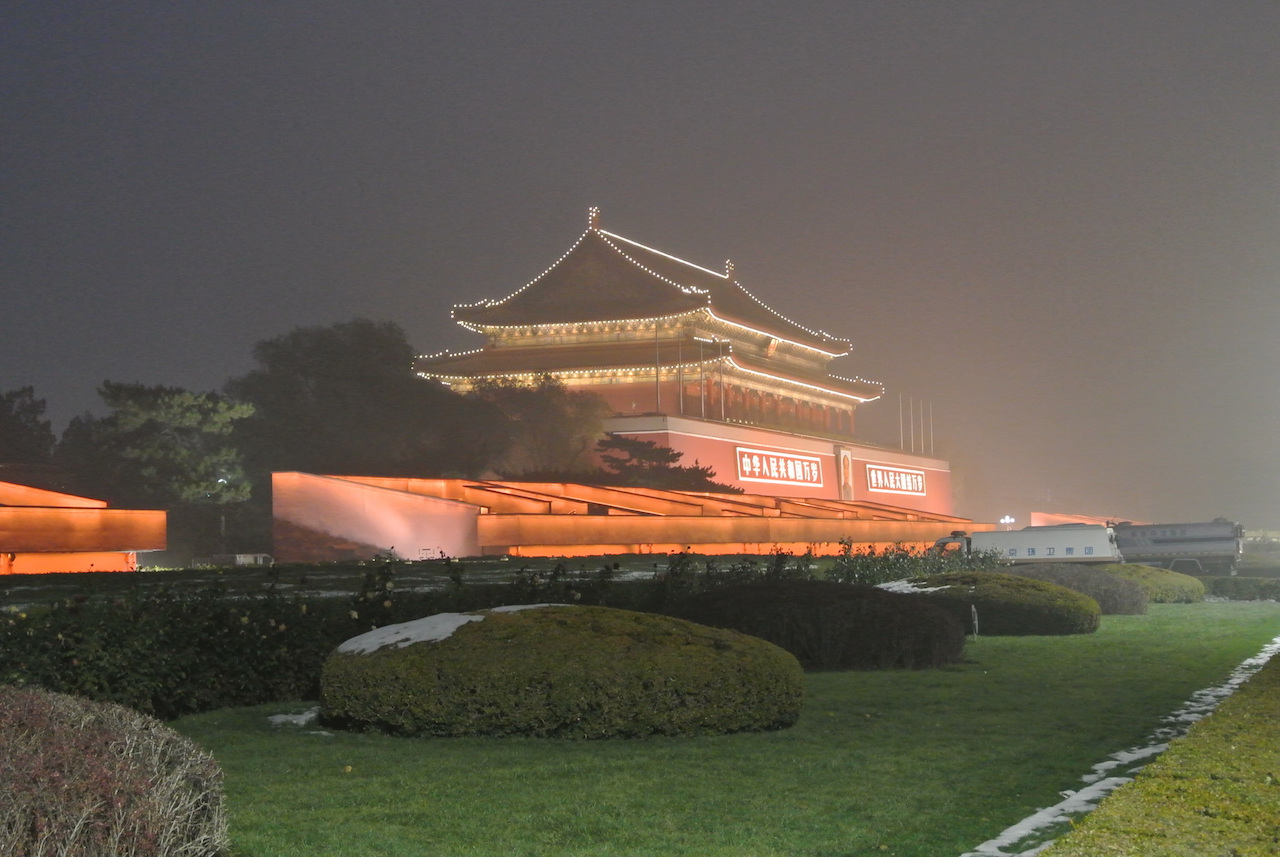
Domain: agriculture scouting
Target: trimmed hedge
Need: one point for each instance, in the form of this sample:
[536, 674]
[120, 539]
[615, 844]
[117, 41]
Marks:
[1116, 595]
[1214, 791]
[84, 778]
[571, 672]
[1243, 588]
[169, 654]
[1010, 605]
[168, 651]
[829, 625]
[1162, 586]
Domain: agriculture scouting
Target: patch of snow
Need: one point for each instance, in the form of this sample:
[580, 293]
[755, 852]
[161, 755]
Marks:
[1033, 834]
[430, 629]
[907, 586]
[302, 719]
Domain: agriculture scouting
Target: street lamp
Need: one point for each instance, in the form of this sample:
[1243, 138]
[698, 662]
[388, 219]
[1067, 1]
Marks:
[1008, 522]
[222, 519]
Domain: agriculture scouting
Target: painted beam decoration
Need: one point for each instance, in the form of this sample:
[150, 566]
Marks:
[779, 468]
[895, 480]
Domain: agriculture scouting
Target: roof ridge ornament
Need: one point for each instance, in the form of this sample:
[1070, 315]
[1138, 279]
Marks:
[593, 218]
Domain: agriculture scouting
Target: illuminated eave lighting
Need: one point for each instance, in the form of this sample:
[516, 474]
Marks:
[563, 256]
[488, 302]
[859, 380]
[448, 353]
[483, 328]
[557, 325]
[606, 372]
[612, 371]
[741, 326]
[793, 382]
[660, 253]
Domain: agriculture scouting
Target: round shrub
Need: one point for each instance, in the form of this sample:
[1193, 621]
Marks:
[86, 778]
[1161, 585]
[1010, 605]
[829, 625]
[1116, 595]
[574, 672]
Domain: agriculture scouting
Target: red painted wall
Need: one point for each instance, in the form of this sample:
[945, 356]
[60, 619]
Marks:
[889, 477]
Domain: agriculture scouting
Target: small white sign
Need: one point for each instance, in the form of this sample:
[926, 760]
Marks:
[895, 480]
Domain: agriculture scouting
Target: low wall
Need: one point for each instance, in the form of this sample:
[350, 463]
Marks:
[408, 525]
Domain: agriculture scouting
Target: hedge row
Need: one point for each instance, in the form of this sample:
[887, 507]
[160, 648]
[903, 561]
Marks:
[1162, 586]
[1212, 792]
[170, 651]
[1010, 605]
[1243, 588]
[567, 672]
[829, 625]
[169, 655]
[1115, 595]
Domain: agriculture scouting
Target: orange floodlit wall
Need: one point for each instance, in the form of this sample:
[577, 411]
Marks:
[387, 519]
[413, 518]
[45, 531]
[57, 563]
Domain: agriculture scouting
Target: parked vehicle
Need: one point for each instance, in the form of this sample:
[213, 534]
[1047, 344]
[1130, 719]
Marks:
[1080, 543]
[1213, 547]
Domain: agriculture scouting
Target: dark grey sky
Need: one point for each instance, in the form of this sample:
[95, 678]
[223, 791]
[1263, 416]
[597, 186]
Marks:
[1057, 223]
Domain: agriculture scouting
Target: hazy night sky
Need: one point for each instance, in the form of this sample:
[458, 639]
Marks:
[1057, 223]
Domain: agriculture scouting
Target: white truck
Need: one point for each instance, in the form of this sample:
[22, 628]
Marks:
[1081, 543]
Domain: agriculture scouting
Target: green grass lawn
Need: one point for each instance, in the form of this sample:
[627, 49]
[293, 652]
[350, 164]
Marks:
[927, 764]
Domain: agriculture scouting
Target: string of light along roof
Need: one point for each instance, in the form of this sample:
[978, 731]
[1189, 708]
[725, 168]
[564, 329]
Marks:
[647, 369]
[689, 290]
[479, 328]
[708, 308]
[449, 353]
[577, 373]
[742, 368]
[724, 277]
[563, 256]
[682, 288]
[858, 379]
[560, 324]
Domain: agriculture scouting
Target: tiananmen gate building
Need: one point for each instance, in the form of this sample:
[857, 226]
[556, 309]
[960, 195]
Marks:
[687, 358]
[690, 359]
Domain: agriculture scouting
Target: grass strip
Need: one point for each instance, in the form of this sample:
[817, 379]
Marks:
[914, 764]
[1214, 792]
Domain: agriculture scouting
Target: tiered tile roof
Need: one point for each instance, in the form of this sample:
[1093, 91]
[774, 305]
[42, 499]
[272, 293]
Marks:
[606, 279]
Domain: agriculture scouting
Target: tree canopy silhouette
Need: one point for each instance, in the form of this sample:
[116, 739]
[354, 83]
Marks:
[26, 437]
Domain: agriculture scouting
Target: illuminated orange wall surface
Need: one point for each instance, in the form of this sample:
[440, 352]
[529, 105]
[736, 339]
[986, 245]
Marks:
[413, 518]
[44, 531]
